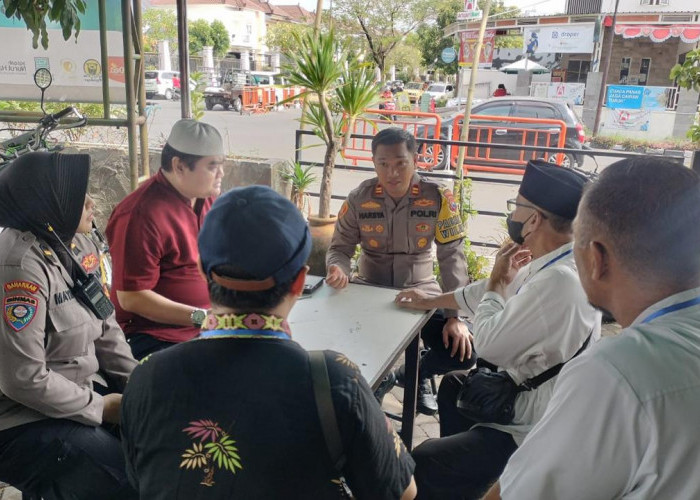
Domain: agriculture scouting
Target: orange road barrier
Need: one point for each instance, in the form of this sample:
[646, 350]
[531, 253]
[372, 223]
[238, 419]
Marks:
[421, 125]
[506, 130]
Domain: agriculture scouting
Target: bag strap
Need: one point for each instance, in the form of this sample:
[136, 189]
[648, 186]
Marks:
[535, 382]
[326, 411]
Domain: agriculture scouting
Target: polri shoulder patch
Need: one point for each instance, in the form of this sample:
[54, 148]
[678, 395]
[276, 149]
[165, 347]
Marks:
[449, 225]
[19, 311]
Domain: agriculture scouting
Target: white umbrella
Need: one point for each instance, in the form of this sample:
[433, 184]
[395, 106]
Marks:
[524, 64]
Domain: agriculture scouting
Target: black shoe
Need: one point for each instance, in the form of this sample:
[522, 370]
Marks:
[385, 386]
[427, 402]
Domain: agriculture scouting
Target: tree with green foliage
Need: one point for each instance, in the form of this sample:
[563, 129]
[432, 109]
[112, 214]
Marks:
[431, 37]
[199, 33]
[688, 77]
[282, 36]
[159, 24]
[406, 57]
[221, 40]
[35, 14]
[384, 24]
[202, 34]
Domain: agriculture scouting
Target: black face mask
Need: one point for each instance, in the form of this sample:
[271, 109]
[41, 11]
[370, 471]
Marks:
[515, 229]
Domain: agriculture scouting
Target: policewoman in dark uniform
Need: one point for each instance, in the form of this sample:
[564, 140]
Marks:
[57, 331]
[395, 218]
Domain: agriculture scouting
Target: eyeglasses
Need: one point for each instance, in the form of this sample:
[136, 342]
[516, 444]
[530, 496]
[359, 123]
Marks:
[513, 204]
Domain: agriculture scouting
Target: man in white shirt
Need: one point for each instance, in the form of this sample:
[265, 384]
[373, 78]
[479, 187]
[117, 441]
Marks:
[622, 422]
[530, 315]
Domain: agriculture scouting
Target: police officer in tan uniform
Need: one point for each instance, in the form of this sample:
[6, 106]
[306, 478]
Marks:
[54, 339]
[395, 218]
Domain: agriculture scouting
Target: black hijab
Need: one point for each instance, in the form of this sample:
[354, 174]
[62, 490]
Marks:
[40, 188]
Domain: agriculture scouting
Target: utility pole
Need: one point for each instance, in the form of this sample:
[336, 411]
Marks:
[468, 106]
[184, 58]
[606, 68]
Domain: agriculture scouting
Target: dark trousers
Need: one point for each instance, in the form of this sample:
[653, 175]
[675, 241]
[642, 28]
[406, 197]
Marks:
[143, 344]
[464, 462]
[58, 459]
[437, 360]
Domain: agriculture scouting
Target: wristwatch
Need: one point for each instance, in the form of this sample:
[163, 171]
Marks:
[197, 317]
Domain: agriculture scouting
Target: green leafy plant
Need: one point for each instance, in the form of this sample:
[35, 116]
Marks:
[319, 65]
[197, 95]
[90, 110]
[301, 178]
[640, 145]
[35, 13]
[688, 77]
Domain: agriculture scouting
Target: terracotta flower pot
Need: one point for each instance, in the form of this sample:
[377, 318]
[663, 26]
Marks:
[321, 234]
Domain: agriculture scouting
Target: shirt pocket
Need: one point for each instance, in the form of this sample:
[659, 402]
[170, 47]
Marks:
[68, 333]
[373, 236]
[421, 233]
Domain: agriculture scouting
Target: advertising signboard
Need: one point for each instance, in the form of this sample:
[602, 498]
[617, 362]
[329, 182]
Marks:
[636, 97]
[74, 64]
[467, 47]
[559, 38]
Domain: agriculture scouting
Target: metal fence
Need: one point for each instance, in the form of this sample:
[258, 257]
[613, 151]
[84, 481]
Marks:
[475, 177]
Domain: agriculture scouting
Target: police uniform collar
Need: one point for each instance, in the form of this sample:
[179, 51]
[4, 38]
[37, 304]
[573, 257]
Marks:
[50, 255]
[413, 192]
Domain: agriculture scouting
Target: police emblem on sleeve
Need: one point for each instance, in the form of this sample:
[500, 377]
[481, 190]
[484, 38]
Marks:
[343, 210]
[19, 311]
[449, 225]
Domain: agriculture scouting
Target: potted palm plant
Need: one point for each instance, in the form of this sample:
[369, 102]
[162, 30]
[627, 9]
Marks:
[300, 179]
[329, 74]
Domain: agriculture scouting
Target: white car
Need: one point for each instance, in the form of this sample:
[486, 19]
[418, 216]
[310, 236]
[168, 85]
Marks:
[160, 83]
[441, 90]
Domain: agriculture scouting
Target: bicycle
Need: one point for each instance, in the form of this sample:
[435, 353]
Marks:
[36, 140]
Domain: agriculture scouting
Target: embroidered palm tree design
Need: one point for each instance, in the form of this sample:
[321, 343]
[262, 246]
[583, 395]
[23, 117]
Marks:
[344, 360]
[398, 444]
[214, 449]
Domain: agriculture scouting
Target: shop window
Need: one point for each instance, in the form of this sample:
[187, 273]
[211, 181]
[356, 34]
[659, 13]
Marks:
[625, 69]
[644, 66]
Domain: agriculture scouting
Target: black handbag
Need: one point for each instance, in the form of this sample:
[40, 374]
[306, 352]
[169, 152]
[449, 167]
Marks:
[488, 396]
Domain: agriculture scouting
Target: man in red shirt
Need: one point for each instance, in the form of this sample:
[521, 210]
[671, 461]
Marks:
[160, 297]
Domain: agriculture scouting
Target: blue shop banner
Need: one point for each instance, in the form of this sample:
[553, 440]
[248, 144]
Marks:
[636, 97]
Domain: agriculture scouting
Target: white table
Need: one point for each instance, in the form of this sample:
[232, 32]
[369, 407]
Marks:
[362, 322]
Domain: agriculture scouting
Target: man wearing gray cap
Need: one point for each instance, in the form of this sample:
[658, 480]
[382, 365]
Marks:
[159, 295]
[529, 317]
[233, 413]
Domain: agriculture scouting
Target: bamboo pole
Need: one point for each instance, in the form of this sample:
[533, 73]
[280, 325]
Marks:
[468, 106]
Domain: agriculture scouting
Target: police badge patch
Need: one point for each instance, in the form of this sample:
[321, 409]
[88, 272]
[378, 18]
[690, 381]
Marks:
[89, 262]
[19, 311]
[343, 210]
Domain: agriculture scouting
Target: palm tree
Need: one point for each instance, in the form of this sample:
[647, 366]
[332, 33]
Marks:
[326, 71]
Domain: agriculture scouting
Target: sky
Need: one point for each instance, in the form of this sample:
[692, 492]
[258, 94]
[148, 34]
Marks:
[541, 7]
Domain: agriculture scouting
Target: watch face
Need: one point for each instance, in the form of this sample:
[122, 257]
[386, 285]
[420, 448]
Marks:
[198, 317]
